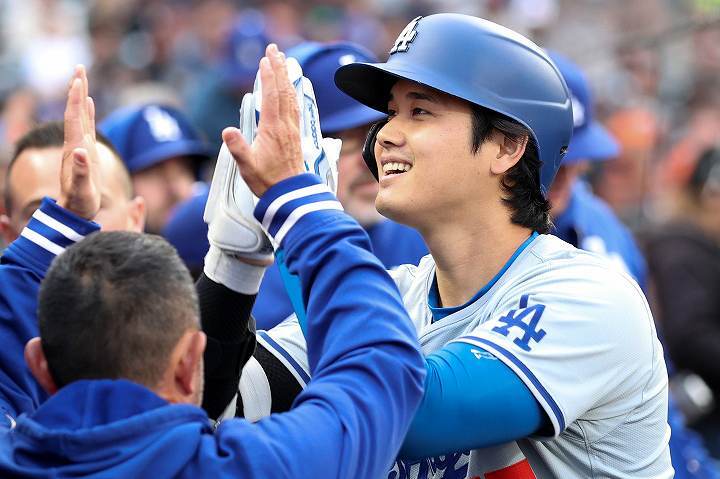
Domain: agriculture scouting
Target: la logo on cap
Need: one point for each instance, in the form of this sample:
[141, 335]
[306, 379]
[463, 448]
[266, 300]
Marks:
[406, 37]
[163, 126]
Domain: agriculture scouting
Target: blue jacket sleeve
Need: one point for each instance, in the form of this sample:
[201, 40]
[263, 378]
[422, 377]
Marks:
[472, 400]
[367, 369]
[22, 267]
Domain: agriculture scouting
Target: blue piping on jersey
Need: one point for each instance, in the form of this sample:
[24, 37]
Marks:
[439, 312]
[501, 351]
[271, 342]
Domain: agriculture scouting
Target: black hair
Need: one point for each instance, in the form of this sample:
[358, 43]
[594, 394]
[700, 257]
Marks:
[522, 192]
[114, 306]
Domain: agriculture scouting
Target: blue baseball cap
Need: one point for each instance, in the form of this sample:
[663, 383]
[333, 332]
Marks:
[243, 49]
[590, 140]
[319, 61]
[149, 134]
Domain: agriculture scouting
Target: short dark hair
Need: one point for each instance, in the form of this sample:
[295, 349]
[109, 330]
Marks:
[52, 135]
[521, 183]
[114, 306]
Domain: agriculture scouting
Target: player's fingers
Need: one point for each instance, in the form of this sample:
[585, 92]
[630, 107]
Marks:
[238, 147]
[281, 80]
[84, 113]
[270, 94]
[80, 169]
[82, 73]
[292, 110]
[73, 126]
[90, 107]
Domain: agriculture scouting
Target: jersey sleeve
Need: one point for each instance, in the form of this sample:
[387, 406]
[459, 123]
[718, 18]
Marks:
[22, 267]
[585, 345]
[362, 349]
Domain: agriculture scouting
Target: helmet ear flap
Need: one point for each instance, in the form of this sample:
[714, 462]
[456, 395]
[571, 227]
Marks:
[368, 151]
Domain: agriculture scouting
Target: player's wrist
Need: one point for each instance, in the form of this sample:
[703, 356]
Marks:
[242, 275]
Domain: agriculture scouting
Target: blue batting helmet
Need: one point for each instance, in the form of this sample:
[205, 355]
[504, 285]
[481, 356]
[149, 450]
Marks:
[478, 61]
[149, 134]
[319, 62]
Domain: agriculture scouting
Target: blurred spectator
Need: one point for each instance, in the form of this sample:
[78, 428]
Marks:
[684, 260]
[216, 102]
[624, 183]
[164, 154]
[581, 218]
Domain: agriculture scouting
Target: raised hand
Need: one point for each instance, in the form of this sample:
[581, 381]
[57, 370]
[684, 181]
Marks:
[80, 173]
[276, 152]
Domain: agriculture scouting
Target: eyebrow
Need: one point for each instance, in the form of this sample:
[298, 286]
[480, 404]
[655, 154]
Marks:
[416, 95]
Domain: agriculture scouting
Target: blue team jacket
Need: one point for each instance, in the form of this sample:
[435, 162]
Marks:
[22, 267]
[394, 244]
[349, 422]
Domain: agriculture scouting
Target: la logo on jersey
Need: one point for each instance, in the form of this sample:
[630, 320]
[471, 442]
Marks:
[526, 319]
[406, 37]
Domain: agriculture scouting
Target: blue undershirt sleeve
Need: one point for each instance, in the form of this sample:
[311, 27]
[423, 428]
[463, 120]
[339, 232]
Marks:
[472, 400]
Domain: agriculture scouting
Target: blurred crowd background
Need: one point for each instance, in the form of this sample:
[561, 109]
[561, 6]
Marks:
[653, 66]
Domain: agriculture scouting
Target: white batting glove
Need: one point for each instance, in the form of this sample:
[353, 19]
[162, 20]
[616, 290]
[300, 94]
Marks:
[233, 232]
[320, 155]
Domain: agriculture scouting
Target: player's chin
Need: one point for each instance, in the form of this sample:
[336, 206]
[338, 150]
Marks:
[392, 205]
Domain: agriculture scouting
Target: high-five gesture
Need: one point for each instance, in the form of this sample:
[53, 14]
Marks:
[79, 174]
[276, 152]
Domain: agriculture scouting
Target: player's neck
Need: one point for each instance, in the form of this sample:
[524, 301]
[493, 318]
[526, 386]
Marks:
[468, 256]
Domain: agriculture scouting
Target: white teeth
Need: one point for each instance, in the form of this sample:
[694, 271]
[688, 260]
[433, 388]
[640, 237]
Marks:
[395, 167]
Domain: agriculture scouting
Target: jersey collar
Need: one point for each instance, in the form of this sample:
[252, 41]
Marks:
[439, 312]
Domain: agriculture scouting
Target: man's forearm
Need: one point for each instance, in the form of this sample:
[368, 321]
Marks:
[230, 329]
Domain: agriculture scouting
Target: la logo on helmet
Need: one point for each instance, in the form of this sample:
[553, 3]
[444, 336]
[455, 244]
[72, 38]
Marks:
[406, 37]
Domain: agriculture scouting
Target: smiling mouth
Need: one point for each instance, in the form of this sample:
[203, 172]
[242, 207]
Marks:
[395, 168]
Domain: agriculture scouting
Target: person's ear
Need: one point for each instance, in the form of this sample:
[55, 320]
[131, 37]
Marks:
[6, 230]
[192, 346]
[136, 214]
[509, 153]
[36, 361]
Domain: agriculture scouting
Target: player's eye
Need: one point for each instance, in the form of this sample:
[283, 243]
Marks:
[391, 113]
[419, 111]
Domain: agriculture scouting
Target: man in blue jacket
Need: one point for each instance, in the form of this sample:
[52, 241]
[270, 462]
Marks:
[120, 348]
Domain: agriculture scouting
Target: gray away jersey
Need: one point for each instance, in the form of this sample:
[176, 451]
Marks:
[580, 335]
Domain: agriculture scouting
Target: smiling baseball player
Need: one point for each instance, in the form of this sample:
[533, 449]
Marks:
[540, 351]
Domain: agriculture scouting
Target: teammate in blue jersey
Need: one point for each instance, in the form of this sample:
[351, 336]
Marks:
[124, 368]
[543, 360]
[585, 221]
